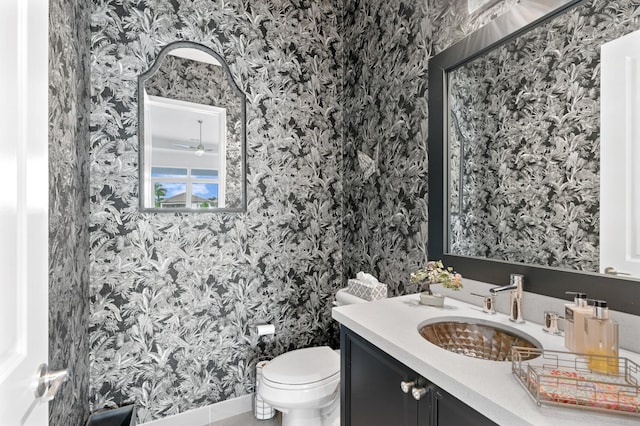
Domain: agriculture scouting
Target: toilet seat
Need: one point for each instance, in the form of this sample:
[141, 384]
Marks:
[284, 397]
[303, 368]
[302, 387]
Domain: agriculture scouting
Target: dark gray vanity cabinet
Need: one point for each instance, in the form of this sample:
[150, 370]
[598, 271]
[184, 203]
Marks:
[371, 393]
[370, 386]
[450, 411]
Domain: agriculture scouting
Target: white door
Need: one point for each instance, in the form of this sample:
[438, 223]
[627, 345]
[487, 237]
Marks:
[620, 156]
[23, 209]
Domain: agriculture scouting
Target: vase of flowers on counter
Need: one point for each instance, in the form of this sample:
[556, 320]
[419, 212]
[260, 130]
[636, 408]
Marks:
[435, 273]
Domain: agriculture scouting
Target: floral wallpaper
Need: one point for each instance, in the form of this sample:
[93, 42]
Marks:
[531, 147]
[387, 49]
[206, 84]
[69, 106]
[175, 298]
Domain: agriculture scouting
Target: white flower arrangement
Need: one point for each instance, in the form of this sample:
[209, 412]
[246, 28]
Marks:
[436, 273]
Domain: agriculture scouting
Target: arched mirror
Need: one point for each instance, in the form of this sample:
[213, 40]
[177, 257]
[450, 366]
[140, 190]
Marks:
[192, 132]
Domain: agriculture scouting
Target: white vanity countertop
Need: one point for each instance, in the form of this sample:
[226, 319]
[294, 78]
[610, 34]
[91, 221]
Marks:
[487, 386]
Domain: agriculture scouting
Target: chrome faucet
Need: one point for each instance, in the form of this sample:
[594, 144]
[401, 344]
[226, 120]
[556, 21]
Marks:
[515, 296]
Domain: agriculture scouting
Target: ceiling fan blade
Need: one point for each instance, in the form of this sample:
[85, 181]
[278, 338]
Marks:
[179, 145]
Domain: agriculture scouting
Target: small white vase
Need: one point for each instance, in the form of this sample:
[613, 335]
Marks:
[436, 300]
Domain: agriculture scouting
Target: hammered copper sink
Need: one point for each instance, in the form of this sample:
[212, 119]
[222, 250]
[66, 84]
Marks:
[476, 338]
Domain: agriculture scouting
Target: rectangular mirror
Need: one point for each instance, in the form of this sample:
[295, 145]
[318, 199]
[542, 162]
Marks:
[527, 144]
[192, 123]
[515, 144]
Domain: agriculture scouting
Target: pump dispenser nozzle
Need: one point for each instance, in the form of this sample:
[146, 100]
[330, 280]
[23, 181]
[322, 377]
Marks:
[579, 299]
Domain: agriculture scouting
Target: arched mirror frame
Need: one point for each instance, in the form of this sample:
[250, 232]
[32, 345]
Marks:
[141, 125]
[622, 294]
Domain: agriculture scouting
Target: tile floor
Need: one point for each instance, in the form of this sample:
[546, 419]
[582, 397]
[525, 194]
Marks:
[248, 419]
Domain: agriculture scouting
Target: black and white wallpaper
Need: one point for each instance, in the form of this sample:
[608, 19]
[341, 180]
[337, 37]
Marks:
[69, 105]
[175, 299]
[528, 115]
[387, 49]
[206, 84]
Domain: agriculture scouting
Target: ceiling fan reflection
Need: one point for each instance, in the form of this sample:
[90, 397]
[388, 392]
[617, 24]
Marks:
[199, 149]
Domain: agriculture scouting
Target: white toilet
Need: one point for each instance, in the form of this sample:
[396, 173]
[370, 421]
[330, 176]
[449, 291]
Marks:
[304, 385]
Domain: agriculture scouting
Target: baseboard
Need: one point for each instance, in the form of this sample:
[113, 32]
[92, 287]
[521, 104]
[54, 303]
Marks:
[231, 407]
[205, 415]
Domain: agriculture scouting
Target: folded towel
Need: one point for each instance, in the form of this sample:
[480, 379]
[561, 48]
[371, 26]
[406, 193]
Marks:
[343, 297]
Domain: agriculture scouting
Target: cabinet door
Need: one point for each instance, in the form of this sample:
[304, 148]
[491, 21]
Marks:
[426, 404]
[370, 386]
[450, 411]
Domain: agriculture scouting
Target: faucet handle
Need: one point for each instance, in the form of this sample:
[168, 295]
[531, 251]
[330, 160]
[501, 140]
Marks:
[551, 322]
[488, 303]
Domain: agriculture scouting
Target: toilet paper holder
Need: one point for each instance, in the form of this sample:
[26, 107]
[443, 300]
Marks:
[266, 329]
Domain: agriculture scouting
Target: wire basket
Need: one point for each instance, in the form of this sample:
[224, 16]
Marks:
[592, 382]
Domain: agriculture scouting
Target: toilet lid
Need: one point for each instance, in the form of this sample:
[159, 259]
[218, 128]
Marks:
[303, 366]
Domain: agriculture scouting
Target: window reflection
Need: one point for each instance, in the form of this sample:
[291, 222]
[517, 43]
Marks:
[185, 188]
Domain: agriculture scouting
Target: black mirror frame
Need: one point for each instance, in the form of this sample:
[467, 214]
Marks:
[622, 294]
[142, 78]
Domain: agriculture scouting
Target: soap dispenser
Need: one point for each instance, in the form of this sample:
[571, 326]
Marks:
[575, 315]
[602, 339]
